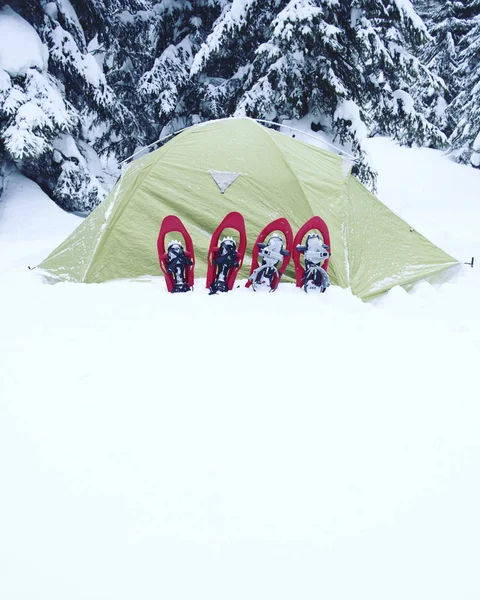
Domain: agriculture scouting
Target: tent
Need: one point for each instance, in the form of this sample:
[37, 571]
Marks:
[213, 168]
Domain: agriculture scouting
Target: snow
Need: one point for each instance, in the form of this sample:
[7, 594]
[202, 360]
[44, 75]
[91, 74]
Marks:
[441, 107]
[66, 144]
[421, 185]
[51, 9]
[355, 15]
[160, 446]
[405, 8]
[69, 12]
[63, 43]
[301, 10]
[30, 224]
[233, 16]
[20, 45]
[476, 143]
[406, 100]
[348, 110]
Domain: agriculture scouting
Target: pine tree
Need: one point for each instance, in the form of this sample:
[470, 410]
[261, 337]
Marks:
[350, 66]
[47, 110]
[465, 108]
[146, 48]
[122, 73]
[426, 8]
[448, 27]
[120, 37]
[180, 30]
[389, 35]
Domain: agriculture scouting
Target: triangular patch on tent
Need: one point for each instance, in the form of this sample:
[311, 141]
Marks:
[223, 179]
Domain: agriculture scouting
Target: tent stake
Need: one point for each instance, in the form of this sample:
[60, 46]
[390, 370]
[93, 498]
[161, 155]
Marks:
[471, 262]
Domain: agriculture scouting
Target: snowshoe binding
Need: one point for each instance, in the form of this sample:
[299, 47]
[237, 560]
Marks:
[267, 275]
[274, 255]
[225, 261]
[315, 252]
[177, 263]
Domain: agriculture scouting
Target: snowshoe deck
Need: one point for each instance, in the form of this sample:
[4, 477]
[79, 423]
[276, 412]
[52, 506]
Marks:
[225, 259]
[313, 276]
[176, 262]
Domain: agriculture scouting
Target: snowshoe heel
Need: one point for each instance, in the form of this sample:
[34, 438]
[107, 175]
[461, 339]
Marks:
[218, 286]
[180, 287]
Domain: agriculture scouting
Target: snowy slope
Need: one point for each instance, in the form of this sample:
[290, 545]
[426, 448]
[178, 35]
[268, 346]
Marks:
[31, 225]
[246, 445]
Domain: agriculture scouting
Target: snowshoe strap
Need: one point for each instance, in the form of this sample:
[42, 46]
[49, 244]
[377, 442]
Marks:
[180, 260]
[316, 256]
[229, 257]
[272, 256]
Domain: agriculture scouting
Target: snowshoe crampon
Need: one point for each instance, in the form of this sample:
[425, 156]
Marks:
[312, 274]
[177, 261]
[275, 255]
[225, 258]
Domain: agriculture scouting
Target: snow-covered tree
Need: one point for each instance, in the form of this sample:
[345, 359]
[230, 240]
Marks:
[120, 37]
[349, 65]
[179, 29]
[425, 8]
[465, 108]
[111, 76]
[448, 27]
[44, 116]
[388, 36]
[116, 69]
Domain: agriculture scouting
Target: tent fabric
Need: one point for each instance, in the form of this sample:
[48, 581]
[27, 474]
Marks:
[276, 176]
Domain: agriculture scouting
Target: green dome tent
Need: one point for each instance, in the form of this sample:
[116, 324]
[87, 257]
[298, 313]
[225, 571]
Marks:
[216, 167]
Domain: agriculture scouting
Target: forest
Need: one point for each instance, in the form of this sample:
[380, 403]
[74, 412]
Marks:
[94, 81]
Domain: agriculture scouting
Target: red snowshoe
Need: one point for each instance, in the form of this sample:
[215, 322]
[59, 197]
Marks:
[267, 275]
[225, 259]
[316, 250]
[176, 262]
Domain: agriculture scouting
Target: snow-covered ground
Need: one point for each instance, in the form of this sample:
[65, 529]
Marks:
[242, 446]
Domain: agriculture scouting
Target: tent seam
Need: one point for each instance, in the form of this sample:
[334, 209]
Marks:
[277, 149]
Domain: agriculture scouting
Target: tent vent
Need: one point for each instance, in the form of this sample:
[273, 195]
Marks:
[223, 179]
